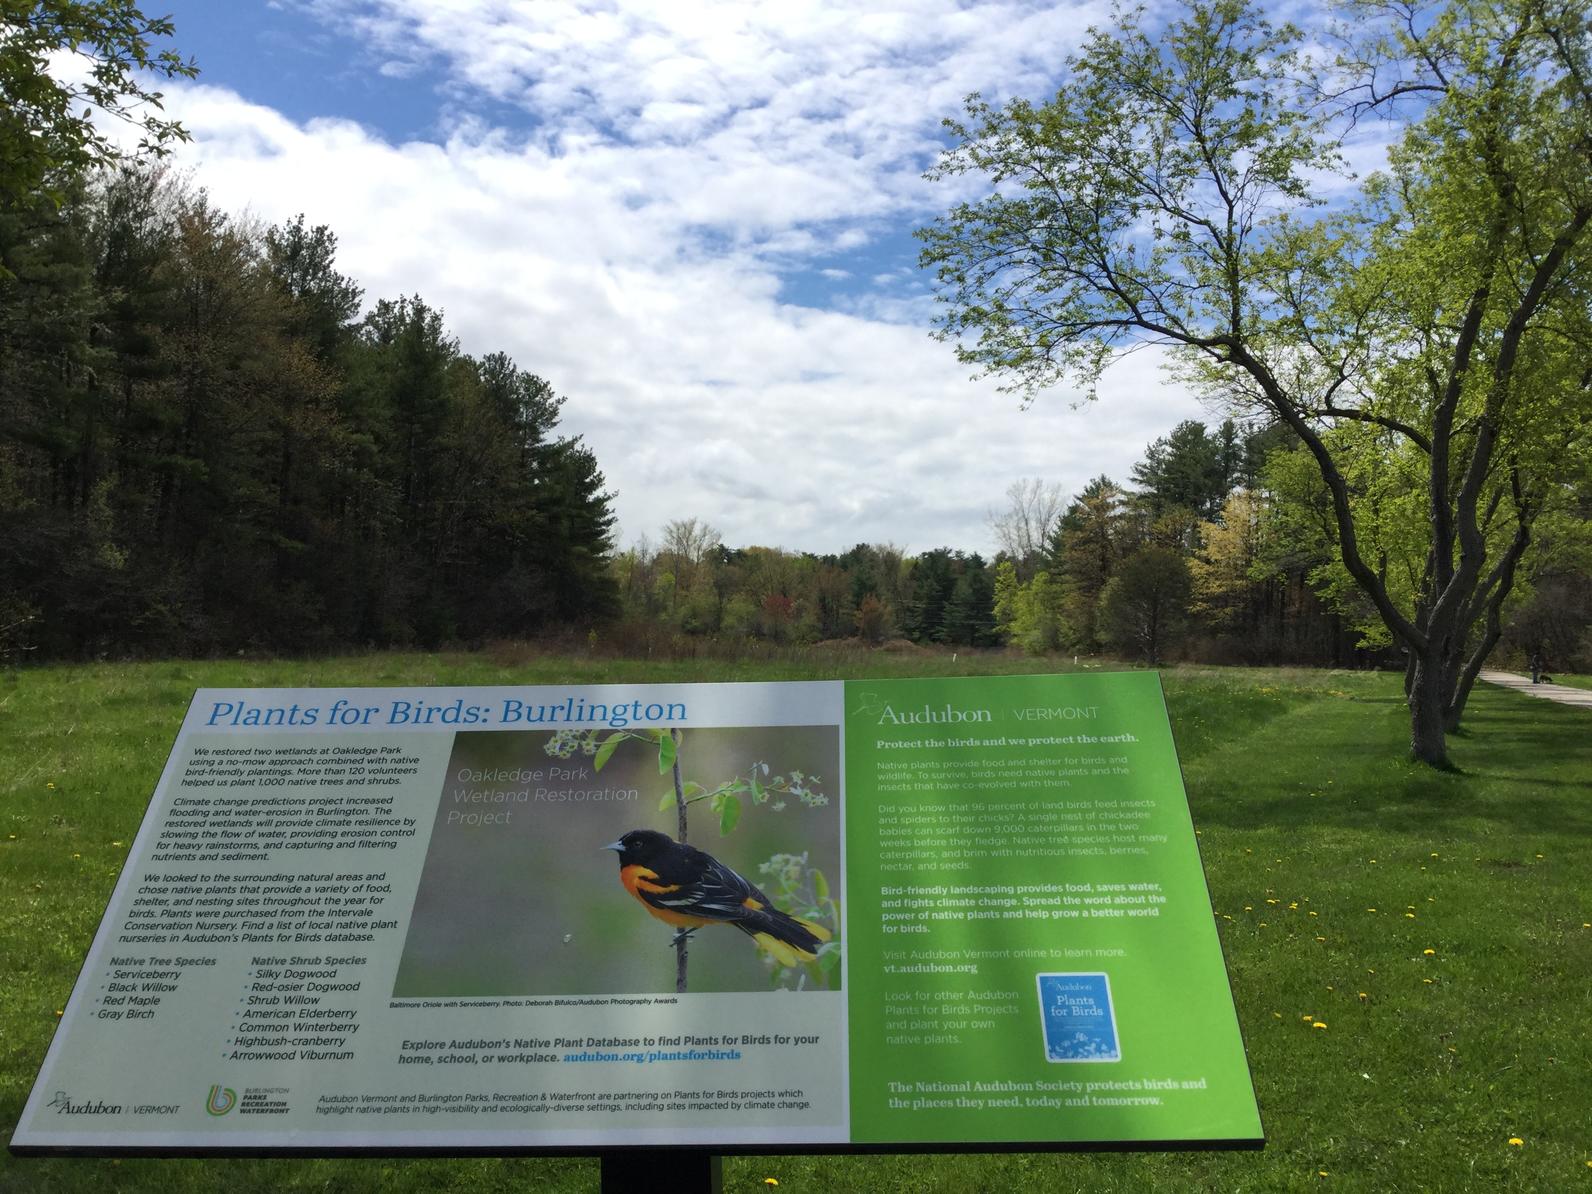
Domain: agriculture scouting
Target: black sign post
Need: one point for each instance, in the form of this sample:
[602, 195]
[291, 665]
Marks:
[684, 1170]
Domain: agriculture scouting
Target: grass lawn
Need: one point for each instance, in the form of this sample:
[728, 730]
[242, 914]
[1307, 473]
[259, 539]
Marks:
[1440, 924]
[1572, 681]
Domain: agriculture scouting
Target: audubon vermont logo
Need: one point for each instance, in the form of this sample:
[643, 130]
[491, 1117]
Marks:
[64, 1104]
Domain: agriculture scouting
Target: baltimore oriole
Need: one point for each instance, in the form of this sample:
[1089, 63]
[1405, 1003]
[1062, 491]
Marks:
[688, 888]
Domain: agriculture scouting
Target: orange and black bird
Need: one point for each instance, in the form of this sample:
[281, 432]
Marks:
[688, 888]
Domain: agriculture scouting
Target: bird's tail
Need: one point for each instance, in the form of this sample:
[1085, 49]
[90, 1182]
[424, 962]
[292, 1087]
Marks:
[791, 939]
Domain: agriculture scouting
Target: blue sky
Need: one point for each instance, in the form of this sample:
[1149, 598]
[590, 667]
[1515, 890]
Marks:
[694, 219]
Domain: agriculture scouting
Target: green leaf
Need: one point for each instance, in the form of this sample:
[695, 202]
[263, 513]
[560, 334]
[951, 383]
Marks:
[820, 885]
[667, 801]
[666, 752]
[756, 789]
[729, 814]
[606, 750]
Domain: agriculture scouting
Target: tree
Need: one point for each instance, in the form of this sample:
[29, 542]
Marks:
[1189, 468]
[1024, 527]
[1033, 615]
[1223, 572]
[1433, 330]
[1090, 538]
[47, 116]
[873, 620]
[1144, 608]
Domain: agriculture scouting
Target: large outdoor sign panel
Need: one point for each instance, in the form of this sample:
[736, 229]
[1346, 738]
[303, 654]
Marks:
[962, 913]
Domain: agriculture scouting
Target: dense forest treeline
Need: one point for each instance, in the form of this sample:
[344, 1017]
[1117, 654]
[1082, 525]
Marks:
[1182, 562]
[204, 446]
[1220, 547]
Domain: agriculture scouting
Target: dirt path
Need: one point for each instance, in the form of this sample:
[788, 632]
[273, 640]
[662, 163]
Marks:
[1548, 692]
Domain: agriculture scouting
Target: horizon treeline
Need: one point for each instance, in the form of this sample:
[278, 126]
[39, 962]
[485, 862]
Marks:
[205, 446]
[209, 443]
[1201, 556]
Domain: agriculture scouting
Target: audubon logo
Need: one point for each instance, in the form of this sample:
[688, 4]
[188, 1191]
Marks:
[927, 716]
[64, 1104]
[221, 1100]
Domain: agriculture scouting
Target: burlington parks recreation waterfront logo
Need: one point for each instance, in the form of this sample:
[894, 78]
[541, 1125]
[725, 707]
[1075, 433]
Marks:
[64, 1105]
[221, 1100]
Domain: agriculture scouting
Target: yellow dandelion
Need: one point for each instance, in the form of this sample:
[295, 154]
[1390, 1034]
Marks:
[77, 856]
[1434, 856]
[1329, 988]
[771, 1181]
[1308, 1016]
[1428, 980]
[1364, 995]
[59, 1012]
[1323, 1172]
[1539, 856]
[1313, 914]
[1516, 1141]
[1318, 1024]
[1370, 909]
[1409, 916]
[1276, 1015]
[1430, 953]
[1320, 938]
[50, 785]
[1249, 907]
[116, 843]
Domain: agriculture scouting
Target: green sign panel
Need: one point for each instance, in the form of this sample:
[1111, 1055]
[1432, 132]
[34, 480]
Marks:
[1025, 882]
[743, 917]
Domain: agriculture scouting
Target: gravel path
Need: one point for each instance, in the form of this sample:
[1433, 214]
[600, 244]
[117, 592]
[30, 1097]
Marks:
[1548, 692]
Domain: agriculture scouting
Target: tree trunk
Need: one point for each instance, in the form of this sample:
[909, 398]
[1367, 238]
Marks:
[1428, 701]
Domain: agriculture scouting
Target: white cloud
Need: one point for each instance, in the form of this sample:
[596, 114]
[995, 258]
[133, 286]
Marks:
[629, 244]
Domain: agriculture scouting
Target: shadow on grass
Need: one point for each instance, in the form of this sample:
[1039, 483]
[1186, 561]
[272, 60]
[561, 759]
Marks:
[1513, 766]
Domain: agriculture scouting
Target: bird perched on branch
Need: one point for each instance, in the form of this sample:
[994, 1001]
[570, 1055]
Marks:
[688, 888]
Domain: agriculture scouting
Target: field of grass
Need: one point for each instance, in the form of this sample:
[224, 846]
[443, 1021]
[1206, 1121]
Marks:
[1572, 681]
[1439, 924]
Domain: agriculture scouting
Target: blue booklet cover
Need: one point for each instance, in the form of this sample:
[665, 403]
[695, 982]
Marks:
[1079, 1024]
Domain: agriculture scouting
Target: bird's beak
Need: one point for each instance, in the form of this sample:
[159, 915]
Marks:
[619, 847]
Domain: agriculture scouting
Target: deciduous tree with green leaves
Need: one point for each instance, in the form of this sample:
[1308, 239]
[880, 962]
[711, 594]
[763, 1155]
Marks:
[1431, 326]
[48, 129]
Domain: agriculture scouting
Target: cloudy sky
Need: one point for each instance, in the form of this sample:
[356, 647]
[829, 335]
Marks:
[693, 218]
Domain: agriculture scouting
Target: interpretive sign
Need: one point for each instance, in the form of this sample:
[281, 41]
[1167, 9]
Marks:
[959, 913]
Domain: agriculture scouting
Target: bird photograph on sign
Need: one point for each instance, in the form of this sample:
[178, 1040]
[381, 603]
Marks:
[518, 894]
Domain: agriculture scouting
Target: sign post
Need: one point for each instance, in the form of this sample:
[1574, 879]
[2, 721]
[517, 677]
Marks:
[658, 923]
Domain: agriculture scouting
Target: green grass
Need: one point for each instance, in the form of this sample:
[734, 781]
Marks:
[1309, 817]
[1571, 681]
